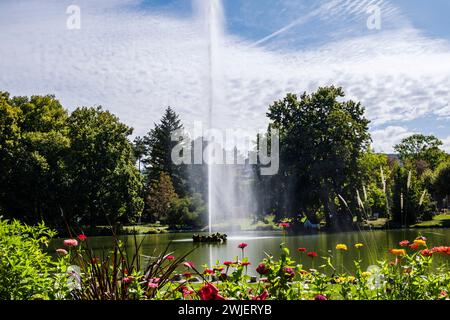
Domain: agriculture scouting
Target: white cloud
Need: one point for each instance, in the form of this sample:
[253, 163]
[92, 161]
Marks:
[446, 146]
[384, 140]
[135, 64]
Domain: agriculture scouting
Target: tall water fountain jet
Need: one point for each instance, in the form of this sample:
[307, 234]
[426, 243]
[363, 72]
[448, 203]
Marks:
[228, 198]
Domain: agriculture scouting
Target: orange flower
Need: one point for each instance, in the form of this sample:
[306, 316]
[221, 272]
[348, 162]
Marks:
[398, 252]
[420, 243]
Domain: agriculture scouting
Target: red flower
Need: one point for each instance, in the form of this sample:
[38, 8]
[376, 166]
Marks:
[170, 258]
[187, 275]
[312, 254]
[209, 292]
[414, 246]
[208, 271]
[441, 250]
[284, 225]
[82, 237]
[262, 270]
[426, 253]
[262, 296]
[242, 245]
[189, 264]
[218, 269]
[229, 263]
[404, 243]
[70, 243]
[302, 250]
[245, 264]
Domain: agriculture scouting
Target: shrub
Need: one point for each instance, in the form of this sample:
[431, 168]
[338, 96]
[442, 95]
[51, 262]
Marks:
[26, 270]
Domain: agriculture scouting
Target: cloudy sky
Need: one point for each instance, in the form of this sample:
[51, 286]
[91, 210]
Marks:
[135, 57]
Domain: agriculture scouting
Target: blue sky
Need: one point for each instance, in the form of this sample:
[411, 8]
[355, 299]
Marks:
[136, 57]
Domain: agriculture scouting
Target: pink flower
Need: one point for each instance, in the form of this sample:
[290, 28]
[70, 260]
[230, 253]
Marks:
[152, 285]
[61, 252]
[320, 297]
[302, 250]
[404, 243]
[127, 280]
[262, 296]
[284, 225]
[170, 258]
[312, 254]
[189, 264]
[242, 245]
[289, 272]
[82, 237]
[70, 243]
[229, 263]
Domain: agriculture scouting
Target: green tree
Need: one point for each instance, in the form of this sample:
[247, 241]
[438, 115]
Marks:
[160, 198]
[422, 151]
[441, 180]
[139, 150]
[104, 182]
[33, 140]
[159, 146]
[321, 139]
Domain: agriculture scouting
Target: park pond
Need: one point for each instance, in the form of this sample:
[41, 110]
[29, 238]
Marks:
[376, 246]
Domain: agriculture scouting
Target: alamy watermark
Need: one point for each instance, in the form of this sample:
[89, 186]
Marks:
[227, 147]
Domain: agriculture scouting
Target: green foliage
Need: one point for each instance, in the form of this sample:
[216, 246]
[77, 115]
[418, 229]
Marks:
[26, 270]
[441, 181]
[187, 212]
[104, 184]
[159, 145]
[321, 140]
[160, 198]
[419, 148]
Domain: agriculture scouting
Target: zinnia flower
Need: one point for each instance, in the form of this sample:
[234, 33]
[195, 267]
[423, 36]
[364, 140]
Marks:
[229, 263]
[210, 292]
[209, 271]
[185, 291]
[82, 237]
[261, 269]
[242, 245]
[398, 252]
[188, 264]
[170, 258]
[289, 272]
[420, 243]
[342, 247]
[414, 246]
[152, 285]
[245, 264]
[302, 250]
[284, 225]
[320, 297]
[312, 254]
[187, 275]
[426, 253]
[262, 296]
[70, 243]
[127, 280]
[62, 252]
[404, 243]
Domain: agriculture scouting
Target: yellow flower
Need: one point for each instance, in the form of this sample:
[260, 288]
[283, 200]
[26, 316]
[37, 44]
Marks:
[366, 274]
[340, 279]
[420, 243]
[359, 245]
[351, 279]
[342, 247]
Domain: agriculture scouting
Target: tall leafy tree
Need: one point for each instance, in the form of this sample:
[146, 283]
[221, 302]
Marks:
[104, 182]
[34, 138]
[423, 151]
[160, 198]
[321, 139]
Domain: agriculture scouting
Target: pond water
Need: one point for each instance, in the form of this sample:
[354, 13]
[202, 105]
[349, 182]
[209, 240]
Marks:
[376, 246]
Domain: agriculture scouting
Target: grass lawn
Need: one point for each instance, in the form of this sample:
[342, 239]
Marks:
[439, 221]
